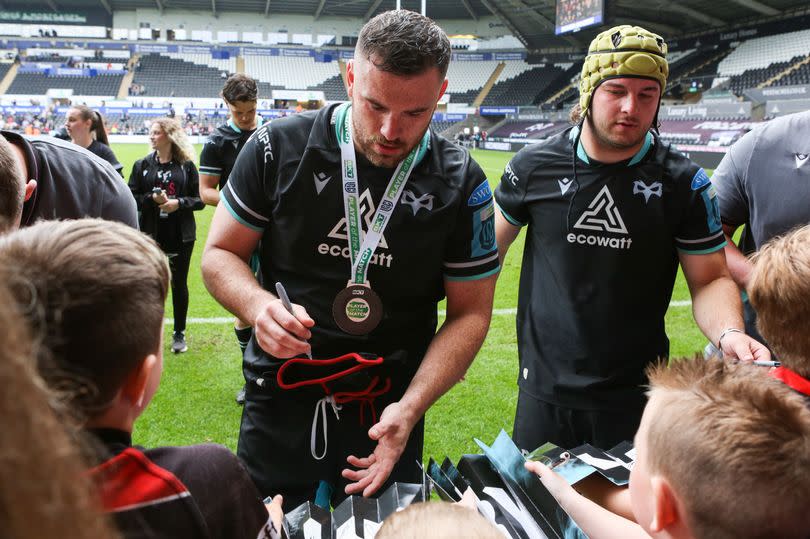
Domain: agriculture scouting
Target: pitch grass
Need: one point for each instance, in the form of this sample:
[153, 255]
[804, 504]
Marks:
[195, 402]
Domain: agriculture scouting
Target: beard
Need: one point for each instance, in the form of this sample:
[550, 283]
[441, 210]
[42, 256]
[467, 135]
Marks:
[366, 144]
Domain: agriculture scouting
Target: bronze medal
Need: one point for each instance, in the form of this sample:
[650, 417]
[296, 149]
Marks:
[357, 309]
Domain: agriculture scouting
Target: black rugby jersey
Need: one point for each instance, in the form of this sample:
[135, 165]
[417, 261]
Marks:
[287, 184]
[220, 150]
[599, 264]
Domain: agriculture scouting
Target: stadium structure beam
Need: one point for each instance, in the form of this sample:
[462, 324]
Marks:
[371, 9]
[159, 6]
[521, 6]
[657, 27]
[500, 14]
[470, 9]
[320, 9]
[106, 6]
[758, 7]
[214, 8]
[695, 14]
[267, 9]
[52, 5]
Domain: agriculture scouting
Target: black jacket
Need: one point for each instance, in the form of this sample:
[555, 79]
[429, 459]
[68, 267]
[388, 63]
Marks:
[144, 178]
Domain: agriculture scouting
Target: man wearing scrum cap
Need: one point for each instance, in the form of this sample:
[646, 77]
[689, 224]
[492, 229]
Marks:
[367, 219]
[611, 211]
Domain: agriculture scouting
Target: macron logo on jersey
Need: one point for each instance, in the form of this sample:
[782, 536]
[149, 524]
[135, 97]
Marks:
[321, 179]
[564, 184]
[602, 215]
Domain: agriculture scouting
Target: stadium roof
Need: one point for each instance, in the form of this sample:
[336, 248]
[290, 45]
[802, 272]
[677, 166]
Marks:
[531, 21]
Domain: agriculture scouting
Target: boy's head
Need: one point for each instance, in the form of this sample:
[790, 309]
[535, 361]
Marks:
[240, 94]
[779, 289]
[93, 292]
[723, 452]
[438, 520]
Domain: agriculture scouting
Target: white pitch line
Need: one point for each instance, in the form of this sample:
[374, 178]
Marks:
[495, 312]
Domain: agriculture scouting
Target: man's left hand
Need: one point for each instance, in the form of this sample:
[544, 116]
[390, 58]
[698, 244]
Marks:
[391, 434]
[170, 205]
[744, 348]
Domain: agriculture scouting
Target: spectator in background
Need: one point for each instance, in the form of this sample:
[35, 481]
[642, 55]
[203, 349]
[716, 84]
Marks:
[166, 188]
[86, 129]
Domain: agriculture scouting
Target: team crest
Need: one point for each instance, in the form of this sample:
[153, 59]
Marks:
[654, 189]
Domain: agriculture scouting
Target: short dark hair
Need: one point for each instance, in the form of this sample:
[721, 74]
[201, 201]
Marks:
[12, 186]
[404, 43]
[240, 87]
[93, 292]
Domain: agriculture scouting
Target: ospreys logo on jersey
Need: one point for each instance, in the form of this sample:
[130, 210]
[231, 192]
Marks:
[417, 203]
[603, 216]
[339, 247]
[654, 189]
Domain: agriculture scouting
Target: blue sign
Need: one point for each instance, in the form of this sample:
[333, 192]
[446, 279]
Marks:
[497, 111]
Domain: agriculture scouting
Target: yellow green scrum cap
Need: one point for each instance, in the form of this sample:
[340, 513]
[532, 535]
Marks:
[622, 51]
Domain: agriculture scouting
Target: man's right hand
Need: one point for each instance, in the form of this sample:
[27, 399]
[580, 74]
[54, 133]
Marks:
[281, 334]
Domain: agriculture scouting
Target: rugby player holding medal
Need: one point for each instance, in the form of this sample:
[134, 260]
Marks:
[365, 260]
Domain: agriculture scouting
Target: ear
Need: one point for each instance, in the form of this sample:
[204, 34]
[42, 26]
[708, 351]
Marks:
[134, 387]
[349, 77]
[30, 187]
[665, 505]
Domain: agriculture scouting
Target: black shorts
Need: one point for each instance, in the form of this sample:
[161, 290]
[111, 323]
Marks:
[538, 422]
[274, 444]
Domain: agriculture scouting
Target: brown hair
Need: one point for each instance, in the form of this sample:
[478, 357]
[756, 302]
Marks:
[44, 490]
[735, 446]
[97, 122]
[779, 289]
[182, 149]
[438, 520]
[404, 43]
[12, 186]
[93, 291]
[240, 87]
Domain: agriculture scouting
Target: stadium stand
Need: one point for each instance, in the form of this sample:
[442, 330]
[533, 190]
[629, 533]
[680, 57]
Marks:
[703, 132]
[467, 79]
[202, 59]
[333, 89]
[751, 78]
[164, 76]
[292, 73]
[39, 83]
[521, 83]
[759, 53]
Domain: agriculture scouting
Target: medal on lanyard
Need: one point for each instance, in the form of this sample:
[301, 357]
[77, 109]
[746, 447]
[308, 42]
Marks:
[357, 309]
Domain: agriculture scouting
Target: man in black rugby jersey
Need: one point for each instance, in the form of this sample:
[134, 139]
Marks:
[368, 219]
[611, 210]
[240, 94]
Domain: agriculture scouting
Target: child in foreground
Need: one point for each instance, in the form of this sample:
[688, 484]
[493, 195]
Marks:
[723, 452]
[94, 291]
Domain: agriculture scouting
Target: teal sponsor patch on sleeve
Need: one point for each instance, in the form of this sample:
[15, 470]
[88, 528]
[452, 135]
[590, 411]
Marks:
[481, 194]
[712, 209]
[700, 179]
[483, 231]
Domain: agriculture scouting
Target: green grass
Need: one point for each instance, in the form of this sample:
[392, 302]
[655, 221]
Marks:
[195, 402]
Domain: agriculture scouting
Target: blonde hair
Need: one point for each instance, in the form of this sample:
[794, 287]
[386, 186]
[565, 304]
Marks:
[735, 446]
[779, 290]
[44, 490]
[93, 292]
[182, 149]
[437, 520]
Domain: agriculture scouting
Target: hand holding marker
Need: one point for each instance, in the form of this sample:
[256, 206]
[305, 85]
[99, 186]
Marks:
[285, 300]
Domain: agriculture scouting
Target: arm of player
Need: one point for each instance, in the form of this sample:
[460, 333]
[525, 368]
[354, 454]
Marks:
[716, 305]
[229, 279]
[208, 189]
[469, 310]
[739, 266]
[505, 234]
[596, 521]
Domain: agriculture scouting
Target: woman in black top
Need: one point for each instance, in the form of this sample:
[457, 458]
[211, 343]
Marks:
[166, 187]
[86, 128]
